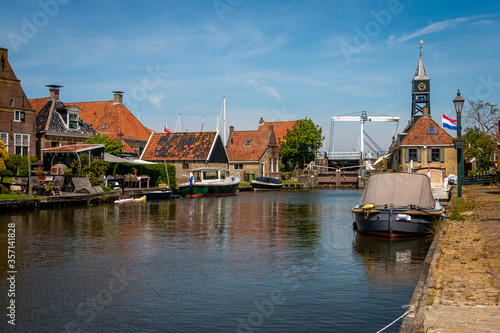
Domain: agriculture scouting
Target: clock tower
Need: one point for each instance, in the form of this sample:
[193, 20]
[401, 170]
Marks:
[420, 96]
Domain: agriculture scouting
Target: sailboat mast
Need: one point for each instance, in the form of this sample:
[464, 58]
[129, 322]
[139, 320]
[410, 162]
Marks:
[224, 101]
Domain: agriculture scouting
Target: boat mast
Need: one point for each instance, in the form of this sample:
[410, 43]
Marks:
[224, 122]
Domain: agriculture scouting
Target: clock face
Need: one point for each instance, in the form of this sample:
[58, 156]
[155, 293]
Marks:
[421, 86]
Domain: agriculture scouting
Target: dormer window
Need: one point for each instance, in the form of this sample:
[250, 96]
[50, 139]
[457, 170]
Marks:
[248, 143]
[71, 117]
[432, 130]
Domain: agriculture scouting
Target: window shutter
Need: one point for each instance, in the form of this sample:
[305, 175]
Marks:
[429, 155]
[407, 155]
[419, 155]
[441, 155]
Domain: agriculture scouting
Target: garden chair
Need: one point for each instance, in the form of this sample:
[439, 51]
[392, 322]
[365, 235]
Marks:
[57, 185]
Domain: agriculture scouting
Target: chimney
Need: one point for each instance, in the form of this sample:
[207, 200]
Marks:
[230, 138]
[118, 97]
[270, 128]
[54, 91]
[425, 112]
[261, 121]
[3, 58]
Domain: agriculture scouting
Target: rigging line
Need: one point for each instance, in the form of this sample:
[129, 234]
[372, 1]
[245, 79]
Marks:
[372, 141]
[332, 130]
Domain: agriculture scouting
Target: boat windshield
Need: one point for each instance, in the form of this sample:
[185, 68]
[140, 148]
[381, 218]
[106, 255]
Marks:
[209, 174]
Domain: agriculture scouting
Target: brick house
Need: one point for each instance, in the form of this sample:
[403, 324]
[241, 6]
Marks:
[426, 144]
[254, 152]
[114, 119]
[280, 128]
[58, 124]
[186, 151]
[17, 117]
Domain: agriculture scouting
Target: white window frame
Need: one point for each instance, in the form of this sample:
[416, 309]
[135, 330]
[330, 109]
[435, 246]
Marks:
[6, 140]
[76, 114]
[17, 115]
[24, 142]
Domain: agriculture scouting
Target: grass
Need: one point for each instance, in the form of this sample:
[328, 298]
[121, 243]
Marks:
[13, 197]
[243, 184]
[458, 206]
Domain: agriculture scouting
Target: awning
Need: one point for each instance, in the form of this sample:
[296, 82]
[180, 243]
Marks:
[116, 159]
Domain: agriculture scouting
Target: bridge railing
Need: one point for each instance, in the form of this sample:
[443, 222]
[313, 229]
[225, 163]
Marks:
[349, 155]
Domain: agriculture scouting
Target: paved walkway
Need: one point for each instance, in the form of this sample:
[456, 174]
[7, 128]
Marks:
[462, 289]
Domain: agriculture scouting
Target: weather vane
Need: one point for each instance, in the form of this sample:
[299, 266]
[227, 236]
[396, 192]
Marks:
[420, 47]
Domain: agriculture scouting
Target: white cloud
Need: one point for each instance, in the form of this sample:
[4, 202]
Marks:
[270, 90]
[156, 99]
[435, 27]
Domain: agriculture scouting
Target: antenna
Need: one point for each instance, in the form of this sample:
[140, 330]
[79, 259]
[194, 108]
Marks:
[203, 123]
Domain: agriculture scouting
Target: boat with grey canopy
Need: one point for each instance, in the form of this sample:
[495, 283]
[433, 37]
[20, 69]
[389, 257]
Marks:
[397, 204]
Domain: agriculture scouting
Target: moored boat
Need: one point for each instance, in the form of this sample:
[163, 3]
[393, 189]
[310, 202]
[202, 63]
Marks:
[397, 204]
[266, 184]
[158, 195]
[209, 182]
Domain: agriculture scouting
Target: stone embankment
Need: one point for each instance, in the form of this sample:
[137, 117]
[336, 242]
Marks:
[459, 290]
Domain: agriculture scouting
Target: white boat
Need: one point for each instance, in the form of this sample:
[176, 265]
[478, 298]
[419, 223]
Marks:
[210, 182]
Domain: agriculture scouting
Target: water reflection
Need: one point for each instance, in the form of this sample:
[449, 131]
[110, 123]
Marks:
[202, 264]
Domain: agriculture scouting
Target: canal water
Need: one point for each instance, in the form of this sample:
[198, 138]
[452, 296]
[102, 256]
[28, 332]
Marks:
[254, 262]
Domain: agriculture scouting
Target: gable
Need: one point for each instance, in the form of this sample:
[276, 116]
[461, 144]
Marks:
[218, 153]
[280, 128]
[419, 135]
[247, 145]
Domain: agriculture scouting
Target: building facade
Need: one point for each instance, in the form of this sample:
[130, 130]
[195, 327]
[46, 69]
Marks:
[17, 117]
[423, 143]
[254, 152]
[58, 124]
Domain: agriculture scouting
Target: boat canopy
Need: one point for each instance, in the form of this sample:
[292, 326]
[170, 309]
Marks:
[399, 190]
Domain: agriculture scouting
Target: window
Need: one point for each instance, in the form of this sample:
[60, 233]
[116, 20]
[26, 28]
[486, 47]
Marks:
[54, 144]
[11, 102]
[185, 165]
[104, 126]
[436, 155]
[248, 143]
[238, 166]
[73, 121]
[413, 154]
[4, 137]
[18, 115]
[432, 130]
[21, 144]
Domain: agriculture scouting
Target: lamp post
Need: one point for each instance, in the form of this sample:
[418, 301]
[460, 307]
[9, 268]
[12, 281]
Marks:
[459, 103]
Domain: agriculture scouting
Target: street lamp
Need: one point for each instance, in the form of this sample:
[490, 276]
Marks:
[459, 145]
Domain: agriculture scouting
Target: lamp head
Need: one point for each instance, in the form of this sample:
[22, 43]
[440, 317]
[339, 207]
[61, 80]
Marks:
[459, 103]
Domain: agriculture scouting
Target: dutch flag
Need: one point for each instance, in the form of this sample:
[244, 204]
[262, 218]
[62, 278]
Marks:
[449, 123]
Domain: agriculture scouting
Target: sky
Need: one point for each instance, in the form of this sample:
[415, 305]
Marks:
[276, 60]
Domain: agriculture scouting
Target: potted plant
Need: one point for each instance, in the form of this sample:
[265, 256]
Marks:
[47, 188]
[39, 173]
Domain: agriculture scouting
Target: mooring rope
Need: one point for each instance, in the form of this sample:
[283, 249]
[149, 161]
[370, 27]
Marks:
[410, 309]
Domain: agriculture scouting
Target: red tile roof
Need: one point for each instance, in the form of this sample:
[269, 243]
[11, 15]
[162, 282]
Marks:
[38, 103]
[179, 146]
[74, 148]
[239, 150]
[280, 127]
[419, 134]
[108, 118]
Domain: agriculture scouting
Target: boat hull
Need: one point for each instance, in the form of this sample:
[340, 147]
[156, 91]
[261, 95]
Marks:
[259, 186]
[396, 222]
[208, 190]
[158, 195]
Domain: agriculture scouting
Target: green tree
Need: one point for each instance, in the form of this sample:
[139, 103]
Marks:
[111, 146]
[301, 143]
[4, 158]
[481, 146]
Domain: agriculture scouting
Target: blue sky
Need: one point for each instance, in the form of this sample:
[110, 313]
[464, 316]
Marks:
[279, 60]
